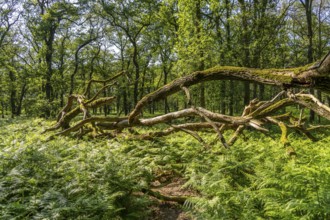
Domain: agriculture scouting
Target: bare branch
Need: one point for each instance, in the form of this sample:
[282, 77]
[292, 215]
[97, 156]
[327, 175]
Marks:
[214, 126]
[299, 77]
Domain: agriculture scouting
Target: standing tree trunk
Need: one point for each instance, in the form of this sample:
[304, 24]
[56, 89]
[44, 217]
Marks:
[166, 107]
[20, 101]
[229, 48]
[223, 97]
[201, 52]
[320, 49]
[137, 71]
[49, 40]
[12, 94]
[308, 10]
[246, 51]
[2, 109]
[231, 98]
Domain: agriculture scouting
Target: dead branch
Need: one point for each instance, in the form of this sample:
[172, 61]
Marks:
[186, 91]
[238, 131]
[178, 199]
[193, 134]
[214, 126]
[89, 84]
[318, 78]
[66, 117]
[312, 128]
[256, 115]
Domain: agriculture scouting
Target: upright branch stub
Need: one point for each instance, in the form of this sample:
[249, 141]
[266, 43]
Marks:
[324, 65]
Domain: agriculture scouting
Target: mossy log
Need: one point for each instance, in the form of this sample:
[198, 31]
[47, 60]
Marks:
[64, 118]
[178, 199]
[309, 76]
[256, 115]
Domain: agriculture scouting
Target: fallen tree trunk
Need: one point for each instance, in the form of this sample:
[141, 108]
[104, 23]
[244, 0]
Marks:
[256, 115]
[315, 76]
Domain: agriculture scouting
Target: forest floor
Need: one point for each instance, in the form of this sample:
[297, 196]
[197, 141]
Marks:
[165, 210]
[70, 178]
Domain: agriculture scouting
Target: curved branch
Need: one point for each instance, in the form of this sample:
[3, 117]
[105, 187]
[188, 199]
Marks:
[67, 117]
[318, 78]
[89, 84]
[193, 134]
[85, 121]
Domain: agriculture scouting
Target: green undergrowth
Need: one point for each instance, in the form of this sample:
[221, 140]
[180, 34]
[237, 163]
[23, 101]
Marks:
[103, 179]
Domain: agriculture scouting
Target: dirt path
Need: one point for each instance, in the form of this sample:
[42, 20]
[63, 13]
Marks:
[170, 210]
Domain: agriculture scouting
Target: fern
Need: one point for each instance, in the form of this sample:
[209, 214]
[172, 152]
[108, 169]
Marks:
[88, 179]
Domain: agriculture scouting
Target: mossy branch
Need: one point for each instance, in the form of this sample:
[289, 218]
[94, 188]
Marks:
[255, 115]
[286, 78]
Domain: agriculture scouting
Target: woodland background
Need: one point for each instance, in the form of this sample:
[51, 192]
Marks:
[50, 49]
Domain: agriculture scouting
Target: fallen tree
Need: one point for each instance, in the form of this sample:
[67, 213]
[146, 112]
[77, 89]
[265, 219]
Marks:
[256, 115]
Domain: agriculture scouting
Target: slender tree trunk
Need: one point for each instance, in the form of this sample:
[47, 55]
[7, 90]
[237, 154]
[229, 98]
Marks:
[144, 72]
[310, 30]
[49, 40]
[105, 107]
[261, 91]
[20, 102]
[49, 59]
[308, 11]
[227, 25]
[12, 94]
[246, 52]
[166, 107]
[223, 96]
[320, 49]
[246, 93]
[229, 48]
[319, 19]
[2, 109]
[126, 109]
[137, 72]
[231, 97]
[255, 90]
[201, 52]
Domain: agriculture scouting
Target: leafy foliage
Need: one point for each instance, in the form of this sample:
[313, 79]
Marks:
[85, 179]
[65, 179]
[259, 180]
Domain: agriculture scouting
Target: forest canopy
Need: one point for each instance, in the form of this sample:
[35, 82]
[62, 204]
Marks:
[51, 49]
